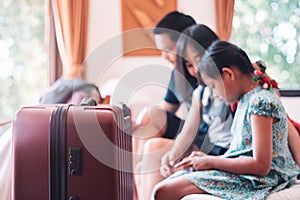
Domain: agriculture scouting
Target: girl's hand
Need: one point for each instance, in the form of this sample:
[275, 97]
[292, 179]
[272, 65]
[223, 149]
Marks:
[196, 161]
[197, 153]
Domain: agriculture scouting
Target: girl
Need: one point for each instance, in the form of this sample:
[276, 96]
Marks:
[258, 161]
[207, 116]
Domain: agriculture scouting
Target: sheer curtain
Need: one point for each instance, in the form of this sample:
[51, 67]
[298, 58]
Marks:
[70, 19]
[224, 15]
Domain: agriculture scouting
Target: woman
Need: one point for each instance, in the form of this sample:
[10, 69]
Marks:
[207, 116]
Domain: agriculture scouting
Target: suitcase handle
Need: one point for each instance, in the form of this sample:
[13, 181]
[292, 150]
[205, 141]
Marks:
[88, 102]
[126, 110]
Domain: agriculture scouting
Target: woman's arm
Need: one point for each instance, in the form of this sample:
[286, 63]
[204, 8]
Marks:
[185, 138]
[190, 128]
[259, 164]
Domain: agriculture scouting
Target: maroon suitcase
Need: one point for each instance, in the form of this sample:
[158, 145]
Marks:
[72, 152]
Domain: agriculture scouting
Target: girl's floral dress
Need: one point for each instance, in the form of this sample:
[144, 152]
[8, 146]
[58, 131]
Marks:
[283, 168]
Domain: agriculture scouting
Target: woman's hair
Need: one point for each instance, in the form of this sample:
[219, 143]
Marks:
[224, 54]
[200, 37]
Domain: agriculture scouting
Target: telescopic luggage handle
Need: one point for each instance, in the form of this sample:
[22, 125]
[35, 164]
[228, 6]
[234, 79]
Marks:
[88, 102]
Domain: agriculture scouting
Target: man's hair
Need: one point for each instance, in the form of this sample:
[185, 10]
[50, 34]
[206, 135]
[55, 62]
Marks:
[173, 23]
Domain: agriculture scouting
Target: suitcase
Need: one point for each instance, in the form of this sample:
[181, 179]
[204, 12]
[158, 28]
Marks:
[72, 152]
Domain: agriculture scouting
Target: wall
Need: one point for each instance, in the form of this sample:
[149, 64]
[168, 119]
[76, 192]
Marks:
[105, 29]
[292, 105]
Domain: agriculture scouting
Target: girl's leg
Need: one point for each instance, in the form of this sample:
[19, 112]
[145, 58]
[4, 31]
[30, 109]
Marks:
[148, 170]
[175, 189]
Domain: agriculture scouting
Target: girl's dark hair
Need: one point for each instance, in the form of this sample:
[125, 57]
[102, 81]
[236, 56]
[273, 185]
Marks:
[224, 54]
[200, 37]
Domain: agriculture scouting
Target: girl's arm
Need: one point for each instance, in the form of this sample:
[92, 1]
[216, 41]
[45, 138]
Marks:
[259, 164]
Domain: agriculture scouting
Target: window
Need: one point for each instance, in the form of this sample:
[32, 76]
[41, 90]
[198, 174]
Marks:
[268, 30]
[23, 74]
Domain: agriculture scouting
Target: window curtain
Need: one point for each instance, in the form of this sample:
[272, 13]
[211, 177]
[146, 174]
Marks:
[70, 21]
[224, 15]
[54, 60]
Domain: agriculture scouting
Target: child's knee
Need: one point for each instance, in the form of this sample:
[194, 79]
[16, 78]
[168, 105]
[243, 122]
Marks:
[160, 191]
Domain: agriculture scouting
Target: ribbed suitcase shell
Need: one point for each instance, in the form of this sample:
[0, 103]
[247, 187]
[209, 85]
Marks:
[43, 164]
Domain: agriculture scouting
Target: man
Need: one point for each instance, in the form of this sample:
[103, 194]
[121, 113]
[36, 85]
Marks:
[161, 121]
